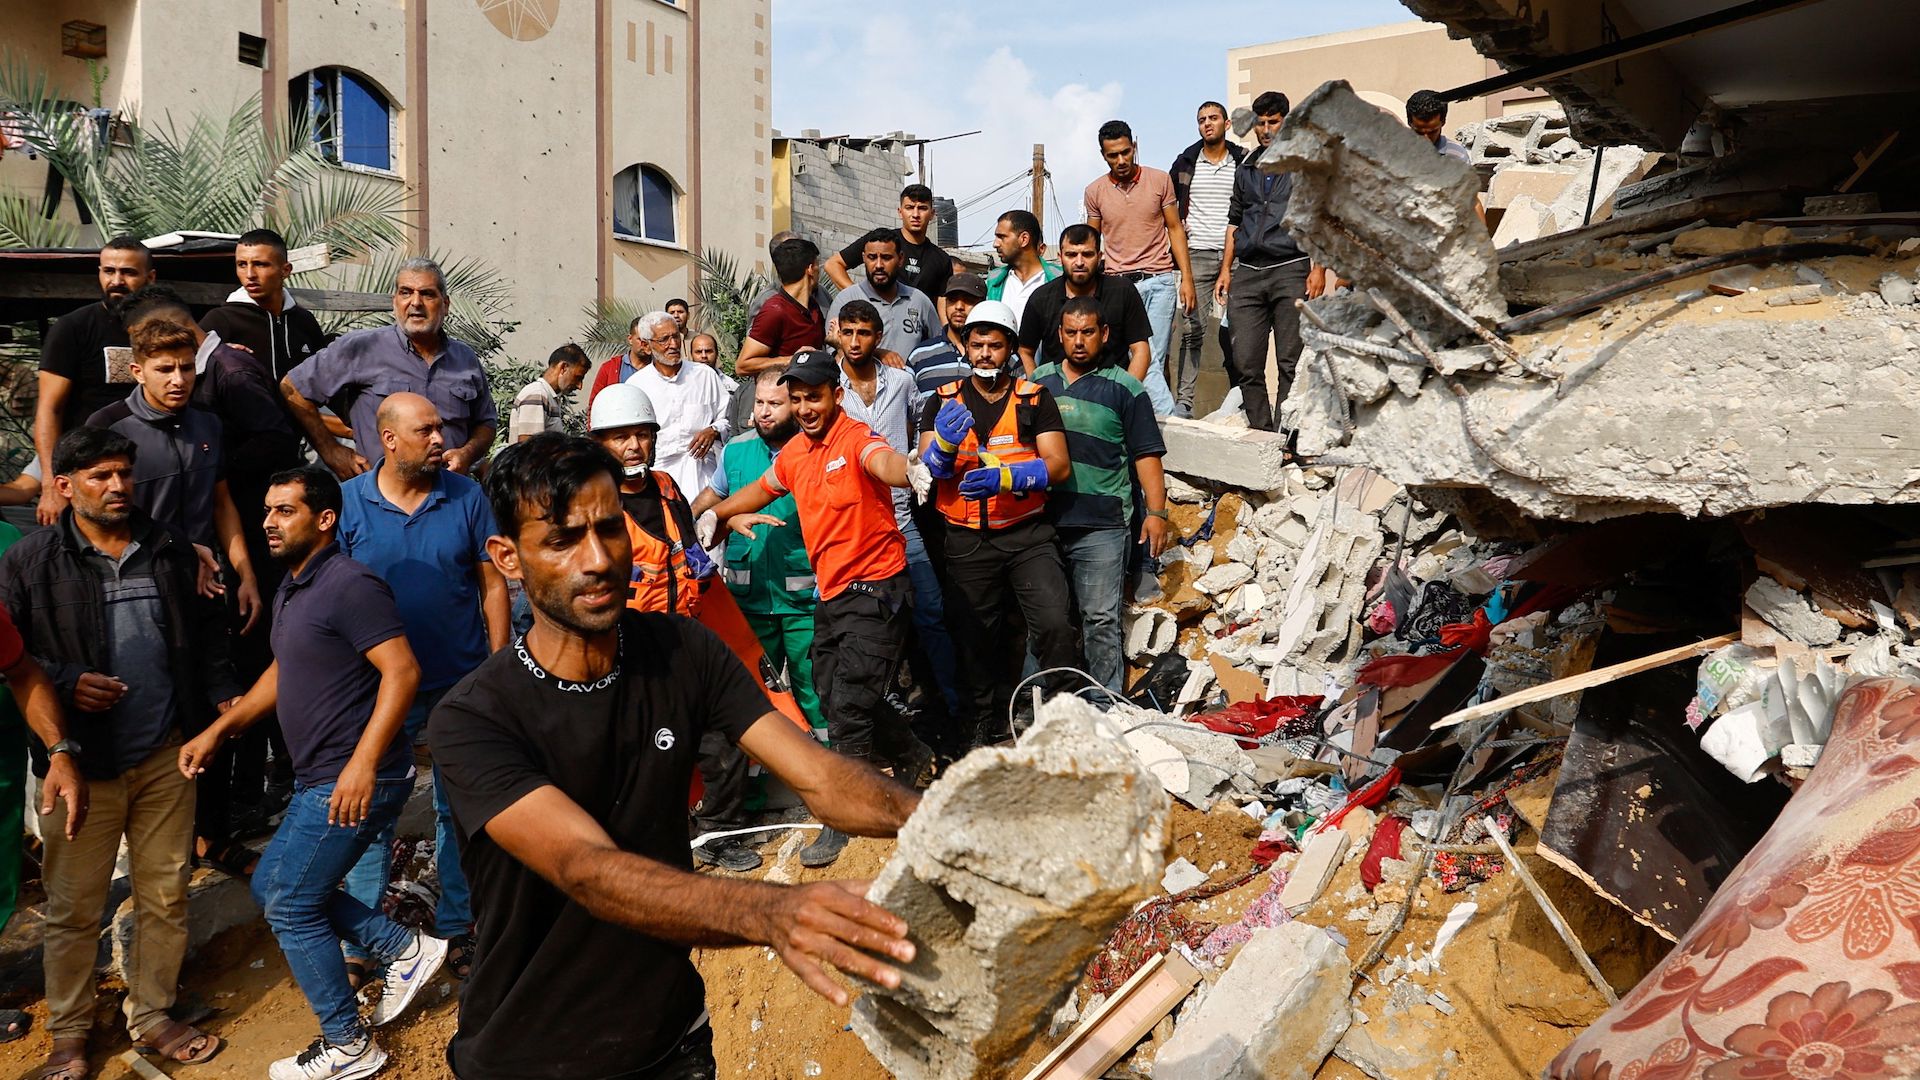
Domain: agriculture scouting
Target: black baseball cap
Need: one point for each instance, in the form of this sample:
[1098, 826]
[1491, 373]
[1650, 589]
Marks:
[815, 367]
[966, 284]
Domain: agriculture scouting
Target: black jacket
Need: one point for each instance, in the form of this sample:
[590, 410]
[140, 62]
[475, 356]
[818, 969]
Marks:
[57, 603]
[1259, 203]
[1182, 171]
[280, 341]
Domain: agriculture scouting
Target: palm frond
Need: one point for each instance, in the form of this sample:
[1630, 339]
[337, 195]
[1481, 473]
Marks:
[604, 332]
[22, 225]
[725, 299]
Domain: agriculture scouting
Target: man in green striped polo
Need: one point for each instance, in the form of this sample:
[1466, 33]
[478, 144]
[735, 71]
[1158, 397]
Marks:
[1114, 442]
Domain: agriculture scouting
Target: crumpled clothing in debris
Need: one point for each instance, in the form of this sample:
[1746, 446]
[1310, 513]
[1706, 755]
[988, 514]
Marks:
[1262, 913]
[1293, 717]
[1437, 605]
[1151, 931]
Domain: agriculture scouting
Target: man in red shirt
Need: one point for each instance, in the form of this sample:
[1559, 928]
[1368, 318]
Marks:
[791, 319]
[840, 475]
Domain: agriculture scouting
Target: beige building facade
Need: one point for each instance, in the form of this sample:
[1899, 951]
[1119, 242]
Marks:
[1385, 65]
[588, 149]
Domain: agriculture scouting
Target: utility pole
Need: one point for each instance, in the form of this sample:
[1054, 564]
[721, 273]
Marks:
[1039, 185]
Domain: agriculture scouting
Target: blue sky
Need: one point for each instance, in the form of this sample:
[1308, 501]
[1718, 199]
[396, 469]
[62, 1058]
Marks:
[1025, 72]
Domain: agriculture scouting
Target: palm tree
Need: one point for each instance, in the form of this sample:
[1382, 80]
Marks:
[725, 299]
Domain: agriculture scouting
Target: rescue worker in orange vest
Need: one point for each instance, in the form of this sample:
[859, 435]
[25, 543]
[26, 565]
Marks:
[669, 571]
[995, 443]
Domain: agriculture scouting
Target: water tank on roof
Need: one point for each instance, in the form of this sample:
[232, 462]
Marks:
[946, 223]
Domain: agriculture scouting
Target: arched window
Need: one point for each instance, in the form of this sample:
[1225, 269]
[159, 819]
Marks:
[351, 120]
[646, 204]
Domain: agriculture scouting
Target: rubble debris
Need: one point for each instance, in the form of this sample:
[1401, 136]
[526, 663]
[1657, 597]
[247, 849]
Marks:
[1182, 875]
[1385, 208]
[1640, 812]
[1553, 914]
[1310, 875]
[1017, 863]
[1397, 1047]
[1802, 939]
[1275, 1014]
[1790, 613]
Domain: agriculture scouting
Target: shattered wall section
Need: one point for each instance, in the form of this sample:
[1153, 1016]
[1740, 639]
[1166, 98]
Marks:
[1372, 199]
[1017, 864]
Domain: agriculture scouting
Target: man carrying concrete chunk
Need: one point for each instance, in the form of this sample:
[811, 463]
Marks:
[568, 759]
[995, 444]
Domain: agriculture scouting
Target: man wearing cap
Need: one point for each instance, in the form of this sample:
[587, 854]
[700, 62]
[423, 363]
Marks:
[840, 474]
[944, 359]
[995, 444]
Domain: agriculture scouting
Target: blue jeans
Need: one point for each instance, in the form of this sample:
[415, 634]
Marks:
[453, 916]
[1097, 574]
[930, 619]
[1161, 294]
[298, 886]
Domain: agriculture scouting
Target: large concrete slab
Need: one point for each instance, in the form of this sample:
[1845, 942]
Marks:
[1012, 872]
[1275, 1014]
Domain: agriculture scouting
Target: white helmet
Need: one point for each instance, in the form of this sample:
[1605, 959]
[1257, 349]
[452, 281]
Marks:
[994, 313]
[620, 405]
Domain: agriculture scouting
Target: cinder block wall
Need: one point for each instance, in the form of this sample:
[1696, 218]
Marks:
[834, 204]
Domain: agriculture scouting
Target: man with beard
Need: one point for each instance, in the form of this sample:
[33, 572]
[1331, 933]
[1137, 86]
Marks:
[1017, 240]
[909, 316]
[923, 265]
[107, 605]
[689, 403]
[944, 359]
[341, 681]
[995, 445]
[1121, 310]
[260, 316]
[1136, 208]
[1203, 179]
[841, 476]
[423, 530]
[415, 354]
[768, 572]
[621, 367]
[85, 359]
[581, 870]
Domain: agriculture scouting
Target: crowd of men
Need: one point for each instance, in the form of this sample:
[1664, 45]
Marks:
[281, 574]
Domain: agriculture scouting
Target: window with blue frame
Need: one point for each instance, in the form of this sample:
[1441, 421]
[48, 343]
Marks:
[646, 204]
[350, 119]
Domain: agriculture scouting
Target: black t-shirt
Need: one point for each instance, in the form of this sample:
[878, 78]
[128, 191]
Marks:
[604, 1001]
[88, 346]
[924, 266]
[1121, 312]
[1044, 417]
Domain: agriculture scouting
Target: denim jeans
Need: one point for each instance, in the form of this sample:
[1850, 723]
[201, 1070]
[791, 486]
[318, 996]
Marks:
[1097, 573]
[368, 882]
[298, 886]
[1161, 294]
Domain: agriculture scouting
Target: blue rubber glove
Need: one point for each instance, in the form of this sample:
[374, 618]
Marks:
[951, 424]
[939, 462]
[997, 480]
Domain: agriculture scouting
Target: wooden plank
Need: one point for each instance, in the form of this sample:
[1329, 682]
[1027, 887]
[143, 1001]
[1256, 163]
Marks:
[1891, 560]
[1121, 1021]
[1552, 913]
[339, 300]
[311, 257]
[1584, 681]
[1864, 161]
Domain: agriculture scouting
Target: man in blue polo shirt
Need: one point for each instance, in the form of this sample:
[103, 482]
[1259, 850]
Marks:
[1112, 439]
[341, 680]
[423, 530]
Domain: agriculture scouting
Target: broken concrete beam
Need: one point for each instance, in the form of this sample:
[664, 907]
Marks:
[1398, 1047]
[1010, 874]
[1223, 578]
[1309, 877]
[1232, 457]
[1275, 1015]
[1791, 613]
[1370, 197]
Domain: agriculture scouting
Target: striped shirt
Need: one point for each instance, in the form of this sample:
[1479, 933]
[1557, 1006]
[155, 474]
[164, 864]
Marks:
[1212, 190]
[1110, 425]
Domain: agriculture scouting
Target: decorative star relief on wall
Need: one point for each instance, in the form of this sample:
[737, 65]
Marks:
[521, 20]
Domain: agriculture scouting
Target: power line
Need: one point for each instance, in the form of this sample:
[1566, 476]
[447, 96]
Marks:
[985, 192]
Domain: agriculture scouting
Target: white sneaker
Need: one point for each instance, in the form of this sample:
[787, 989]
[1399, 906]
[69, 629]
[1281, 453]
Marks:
[325, 1061]
[407, 976]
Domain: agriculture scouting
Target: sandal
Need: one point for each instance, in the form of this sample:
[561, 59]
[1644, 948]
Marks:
[360, 973]
[232, 858]
[460, 949]
[14, 1025]
[172, 1040]
[68, 1061]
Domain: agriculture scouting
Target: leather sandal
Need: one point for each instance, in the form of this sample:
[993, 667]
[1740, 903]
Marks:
[171, 1039]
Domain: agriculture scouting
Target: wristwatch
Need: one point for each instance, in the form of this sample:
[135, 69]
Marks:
[1161, 514]
[65, 746]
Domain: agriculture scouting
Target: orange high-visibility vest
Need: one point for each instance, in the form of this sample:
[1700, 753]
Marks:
[663, 580]
[1005, 444]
